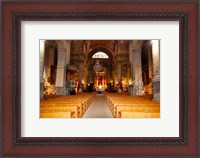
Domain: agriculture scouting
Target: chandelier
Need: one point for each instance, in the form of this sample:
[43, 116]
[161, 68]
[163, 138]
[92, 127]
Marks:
[97, 66]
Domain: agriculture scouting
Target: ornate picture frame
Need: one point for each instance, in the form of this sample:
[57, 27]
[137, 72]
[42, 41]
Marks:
[15, 12]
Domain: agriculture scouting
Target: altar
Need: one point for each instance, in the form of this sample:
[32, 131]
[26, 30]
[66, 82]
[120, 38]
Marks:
[100, 83]
[100, 89]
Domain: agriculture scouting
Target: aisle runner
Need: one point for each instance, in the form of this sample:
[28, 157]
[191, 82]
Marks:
[98, 109]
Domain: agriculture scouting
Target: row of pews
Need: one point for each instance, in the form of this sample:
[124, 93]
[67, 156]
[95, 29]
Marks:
[73, 106]
[124, 106]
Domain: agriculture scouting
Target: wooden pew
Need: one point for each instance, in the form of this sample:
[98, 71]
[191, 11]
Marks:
[133, 114]
[86, 100]
[76, 109]
[118, 103]
[77, 104]
[136, 108]
[55, 114]
[73, 109]
[81, 107]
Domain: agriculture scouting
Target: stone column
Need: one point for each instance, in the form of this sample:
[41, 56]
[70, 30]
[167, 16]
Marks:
[150, 63]
[49, 60]
[119, 66]
[63, 61]
[67, 62]
[85, 69]
[42, 54]
[114, 77]
[60, 72]
[156, 69]
[131, 67]
[138, 88]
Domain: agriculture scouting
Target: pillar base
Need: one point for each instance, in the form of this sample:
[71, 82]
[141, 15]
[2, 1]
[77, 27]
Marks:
[132, 90]
[62, 91]
[156, 97]
[59, 90]
[149, 89]
[156, 89]
[41, 90]
[66, 92]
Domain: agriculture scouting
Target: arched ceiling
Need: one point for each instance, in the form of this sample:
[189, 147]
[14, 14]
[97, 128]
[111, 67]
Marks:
[98, 49]
[106, 46]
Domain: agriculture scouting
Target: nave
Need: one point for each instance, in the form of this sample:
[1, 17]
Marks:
[68, 67]
[94, 105]
[98, 109]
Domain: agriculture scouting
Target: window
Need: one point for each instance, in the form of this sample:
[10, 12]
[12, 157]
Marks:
[100, 55]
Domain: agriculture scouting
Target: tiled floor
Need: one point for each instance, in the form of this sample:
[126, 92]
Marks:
[98, 109]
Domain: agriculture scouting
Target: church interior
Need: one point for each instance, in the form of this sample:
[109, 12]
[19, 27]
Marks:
[99, 79]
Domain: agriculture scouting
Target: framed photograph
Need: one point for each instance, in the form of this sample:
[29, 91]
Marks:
[100, 79]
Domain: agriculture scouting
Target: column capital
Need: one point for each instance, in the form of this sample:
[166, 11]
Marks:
[137, 43]
[61, 50]
[136, 50]
[68, 41]
[63, 45]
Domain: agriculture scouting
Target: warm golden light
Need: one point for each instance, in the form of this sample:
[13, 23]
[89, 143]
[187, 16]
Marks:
[100, 55]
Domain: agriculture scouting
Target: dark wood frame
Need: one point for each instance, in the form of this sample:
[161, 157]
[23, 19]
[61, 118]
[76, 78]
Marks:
[185, 12]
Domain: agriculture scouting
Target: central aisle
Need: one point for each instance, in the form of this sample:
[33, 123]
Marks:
[98, 109]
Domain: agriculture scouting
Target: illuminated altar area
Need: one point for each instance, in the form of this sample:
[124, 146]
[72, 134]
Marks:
[100, 77]
[100, 83]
